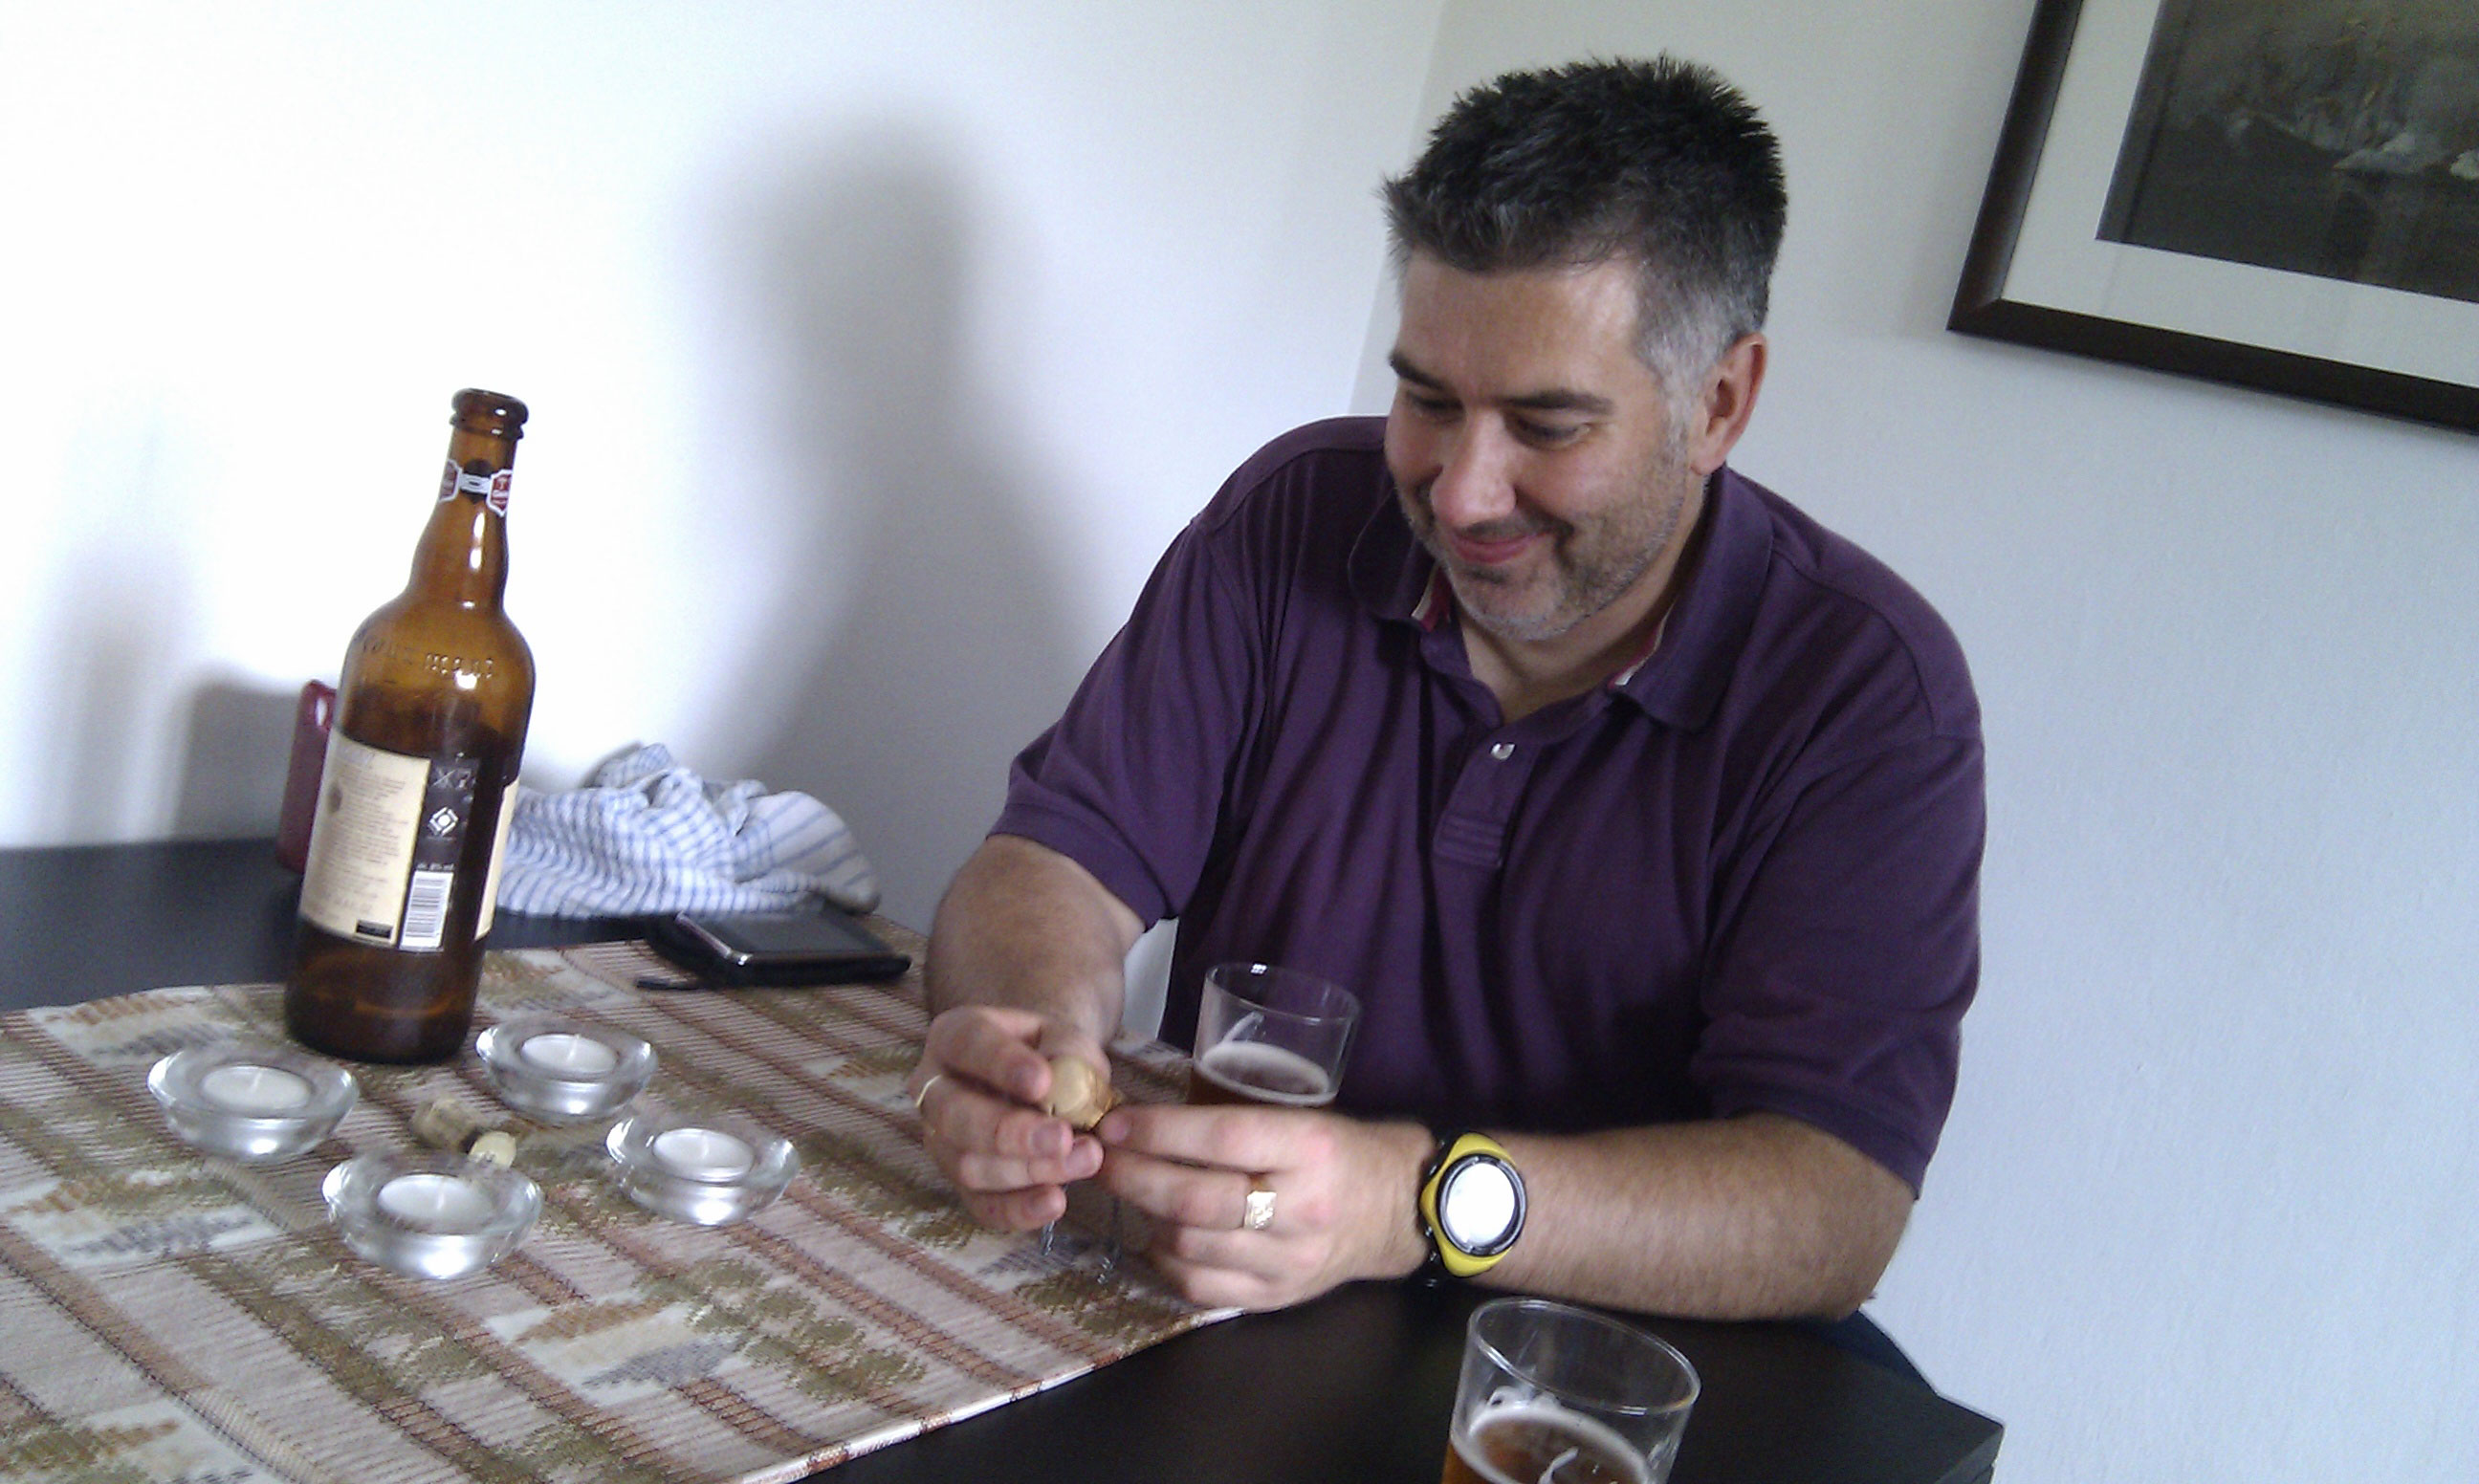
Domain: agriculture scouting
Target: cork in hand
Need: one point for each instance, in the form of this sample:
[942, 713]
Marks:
[1078, 1093]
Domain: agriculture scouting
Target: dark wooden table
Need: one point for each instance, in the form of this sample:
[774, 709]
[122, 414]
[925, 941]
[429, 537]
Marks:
[1353, 1386]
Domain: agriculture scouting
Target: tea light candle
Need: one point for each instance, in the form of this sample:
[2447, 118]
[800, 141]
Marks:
[568, 1055]
[708, 1174]
[246, 1087]
[439, 1203]
[559, 1070]
[703, 1154]
[429, 1215]
[248, 1100]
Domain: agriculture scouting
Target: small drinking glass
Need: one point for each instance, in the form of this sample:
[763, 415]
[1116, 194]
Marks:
[1552, 1394]
[1272, 1036]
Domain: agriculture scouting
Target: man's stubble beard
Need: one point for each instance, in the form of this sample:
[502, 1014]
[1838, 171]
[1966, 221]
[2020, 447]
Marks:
[1626, 542]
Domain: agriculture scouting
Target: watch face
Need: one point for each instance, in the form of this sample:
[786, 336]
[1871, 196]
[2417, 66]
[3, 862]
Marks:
[1480, 1205]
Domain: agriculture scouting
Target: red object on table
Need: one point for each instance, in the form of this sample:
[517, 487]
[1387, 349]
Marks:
[311, 718]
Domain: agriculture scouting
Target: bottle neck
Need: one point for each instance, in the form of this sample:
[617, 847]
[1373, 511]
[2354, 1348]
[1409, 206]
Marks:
[463, 557]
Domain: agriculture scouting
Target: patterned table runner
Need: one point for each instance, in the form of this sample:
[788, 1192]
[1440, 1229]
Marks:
[169, 1314]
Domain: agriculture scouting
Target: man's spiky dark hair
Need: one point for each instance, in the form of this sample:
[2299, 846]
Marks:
[1659, 162]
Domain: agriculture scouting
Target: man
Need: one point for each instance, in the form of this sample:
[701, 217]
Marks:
[1642, 814]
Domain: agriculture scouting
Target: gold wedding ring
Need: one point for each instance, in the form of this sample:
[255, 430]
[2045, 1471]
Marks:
[1261, 1204]
[924, 1094]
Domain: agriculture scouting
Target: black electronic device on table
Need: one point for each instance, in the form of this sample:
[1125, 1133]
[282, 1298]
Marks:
[822, 947]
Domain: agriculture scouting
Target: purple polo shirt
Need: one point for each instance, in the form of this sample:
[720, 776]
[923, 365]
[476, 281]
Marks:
[1742, 876]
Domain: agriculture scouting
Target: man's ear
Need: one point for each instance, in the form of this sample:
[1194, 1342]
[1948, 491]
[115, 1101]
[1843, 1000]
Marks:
[1727, 401]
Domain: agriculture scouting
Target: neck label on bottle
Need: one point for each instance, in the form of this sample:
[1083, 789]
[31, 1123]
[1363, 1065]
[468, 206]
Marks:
[490, 489]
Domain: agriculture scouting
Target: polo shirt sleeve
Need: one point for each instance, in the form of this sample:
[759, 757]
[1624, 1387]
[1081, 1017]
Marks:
[1851, 949]
[1129, 783]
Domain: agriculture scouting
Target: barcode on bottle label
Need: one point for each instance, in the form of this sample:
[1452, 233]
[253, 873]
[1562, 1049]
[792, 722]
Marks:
[425, 910]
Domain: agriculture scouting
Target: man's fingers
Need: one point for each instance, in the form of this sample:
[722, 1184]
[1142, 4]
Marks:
[964, 1121]
[1184, 1195]
[1017, 1211]
[1237, 1251]
[1004, 1172]
[1240, 1138]
[1213, 1286]
[1008, 1051]
[993, 1046]
[983, 1072]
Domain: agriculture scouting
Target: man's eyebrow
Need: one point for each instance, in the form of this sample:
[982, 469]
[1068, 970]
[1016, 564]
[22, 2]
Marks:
[1412, 374]
[1560, 399]
[1554, 399]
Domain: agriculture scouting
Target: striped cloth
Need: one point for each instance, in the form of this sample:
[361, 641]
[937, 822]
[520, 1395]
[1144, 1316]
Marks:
[166, 1315]
[647, 835]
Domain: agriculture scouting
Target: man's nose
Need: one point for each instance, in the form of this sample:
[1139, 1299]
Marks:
[1474, 484]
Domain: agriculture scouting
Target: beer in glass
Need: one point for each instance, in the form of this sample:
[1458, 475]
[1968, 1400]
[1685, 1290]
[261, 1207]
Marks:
[1553, 1392]
[1269, 1036]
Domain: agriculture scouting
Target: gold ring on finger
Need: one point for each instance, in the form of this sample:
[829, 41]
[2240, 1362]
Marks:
[1261, 1204]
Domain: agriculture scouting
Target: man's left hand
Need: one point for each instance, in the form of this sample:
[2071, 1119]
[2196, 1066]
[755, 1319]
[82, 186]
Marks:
[1333, 1197]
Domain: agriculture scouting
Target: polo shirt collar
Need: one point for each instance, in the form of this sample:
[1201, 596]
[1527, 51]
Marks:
[1392, 574]
[1395, 579]
[1708, 623]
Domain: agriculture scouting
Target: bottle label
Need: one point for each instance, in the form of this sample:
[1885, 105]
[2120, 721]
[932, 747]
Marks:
[447, 809]
[498, 852]
[490, 490]
[384, 845]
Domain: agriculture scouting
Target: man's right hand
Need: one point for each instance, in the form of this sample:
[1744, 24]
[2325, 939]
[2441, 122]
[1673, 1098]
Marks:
[983, 1074]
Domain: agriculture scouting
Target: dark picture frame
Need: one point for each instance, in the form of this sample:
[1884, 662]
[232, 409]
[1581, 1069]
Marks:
[1989, 301]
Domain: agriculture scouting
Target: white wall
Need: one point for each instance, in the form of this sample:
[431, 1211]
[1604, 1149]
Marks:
[876, 349]
[873, 352]
[2204, 1210]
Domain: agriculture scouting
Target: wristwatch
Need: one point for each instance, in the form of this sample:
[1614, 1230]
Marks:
[1472, 1205]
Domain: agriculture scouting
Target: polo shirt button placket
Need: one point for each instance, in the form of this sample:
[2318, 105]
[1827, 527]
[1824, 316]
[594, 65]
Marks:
[1471, 829]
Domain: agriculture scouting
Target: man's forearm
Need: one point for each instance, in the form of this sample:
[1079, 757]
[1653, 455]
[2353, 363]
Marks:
[1760, 1217]
[1025, 927]
[1754, 1217]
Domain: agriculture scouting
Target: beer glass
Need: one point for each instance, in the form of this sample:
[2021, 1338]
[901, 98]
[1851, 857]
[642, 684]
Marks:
[1269, 1036]
[1552, 1394]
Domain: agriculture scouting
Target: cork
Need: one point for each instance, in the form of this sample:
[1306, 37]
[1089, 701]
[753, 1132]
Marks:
[449, 1125]
[1078, 1093]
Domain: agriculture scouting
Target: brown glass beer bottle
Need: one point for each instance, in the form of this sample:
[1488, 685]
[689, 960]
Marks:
[429, 726]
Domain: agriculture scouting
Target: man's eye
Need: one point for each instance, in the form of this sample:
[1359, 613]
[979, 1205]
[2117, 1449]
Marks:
[1430, 406]
[1548, 434]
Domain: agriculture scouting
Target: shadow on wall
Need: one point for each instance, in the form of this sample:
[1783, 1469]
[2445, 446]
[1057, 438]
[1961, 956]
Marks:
[899, 698]
[112, 657]
[232, 766]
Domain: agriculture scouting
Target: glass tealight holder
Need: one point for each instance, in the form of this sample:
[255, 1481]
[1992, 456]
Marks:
[252, 1101]
[430, 1215]
[557, 1070]
[703, 1169]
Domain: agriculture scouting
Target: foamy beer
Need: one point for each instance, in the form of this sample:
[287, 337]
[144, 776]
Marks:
[1254, 1072]
[1553, 1392]
[1269, 1036]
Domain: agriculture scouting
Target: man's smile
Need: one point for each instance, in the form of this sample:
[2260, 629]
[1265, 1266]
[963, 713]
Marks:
[1481, 550]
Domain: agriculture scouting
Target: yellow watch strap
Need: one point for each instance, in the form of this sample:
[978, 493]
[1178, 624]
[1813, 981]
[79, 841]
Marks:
[1454, 1258]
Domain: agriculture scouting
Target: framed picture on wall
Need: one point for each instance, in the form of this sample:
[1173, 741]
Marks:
[2277, 193]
